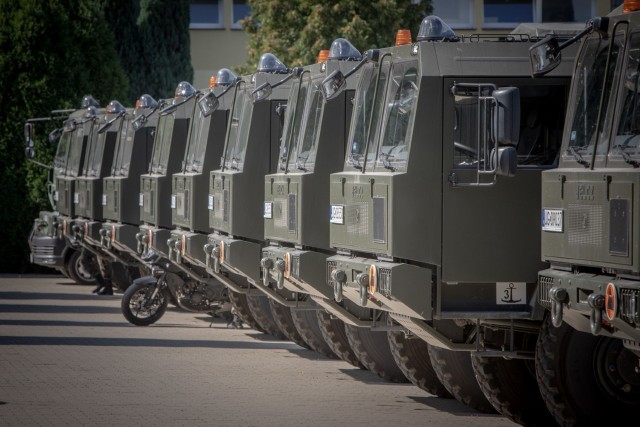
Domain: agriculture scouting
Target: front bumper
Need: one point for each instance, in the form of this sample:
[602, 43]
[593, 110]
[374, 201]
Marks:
[297, 270]
[47, 251]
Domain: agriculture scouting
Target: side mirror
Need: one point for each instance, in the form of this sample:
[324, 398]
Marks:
[29, 153]
[28, 134]
[504, 161]
[333, 85]
[506, 115]
[55, 134]
[261, 92]
[208, 104]
[545, 55]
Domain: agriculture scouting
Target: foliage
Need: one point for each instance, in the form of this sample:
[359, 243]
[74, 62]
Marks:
[40, 73]
[296, 30]
[165, 57]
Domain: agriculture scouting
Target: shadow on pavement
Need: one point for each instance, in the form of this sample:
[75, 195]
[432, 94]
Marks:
[450, 405]
[52, 296]
[29, 308]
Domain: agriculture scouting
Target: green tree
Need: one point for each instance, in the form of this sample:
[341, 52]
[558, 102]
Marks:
[51, 54]
[296, 30]
[163, 27]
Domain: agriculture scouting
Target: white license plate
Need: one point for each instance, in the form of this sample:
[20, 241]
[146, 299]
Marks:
[210, 202]
[268, 210]
[552, 220]
[104, 200]
[173, 201]
[141, 200]
[75, 198]
[337, 214]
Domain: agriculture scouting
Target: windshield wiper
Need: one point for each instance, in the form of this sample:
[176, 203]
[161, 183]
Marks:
[385, 157]
[626, 157]
[236, 161]
[301, 166]
[578, 158]
[354, 162]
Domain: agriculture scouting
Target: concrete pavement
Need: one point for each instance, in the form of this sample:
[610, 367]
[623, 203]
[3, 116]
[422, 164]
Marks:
[68, 357]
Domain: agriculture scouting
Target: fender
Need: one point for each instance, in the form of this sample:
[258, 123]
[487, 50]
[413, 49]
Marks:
[146, 281]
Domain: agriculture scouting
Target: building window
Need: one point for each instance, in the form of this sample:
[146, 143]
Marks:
[458, 14]
[511, 13]
[240, 11]
[206, 14]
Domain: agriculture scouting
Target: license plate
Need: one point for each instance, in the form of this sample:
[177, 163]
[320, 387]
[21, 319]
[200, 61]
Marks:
[210, 202]
[104, 200]
[337, 214]
[552, 220]
[268, 210]
[173, 201]
[141, 199]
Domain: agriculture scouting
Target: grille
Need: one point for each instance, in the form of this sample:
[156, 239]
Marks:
[331, 265]
[384, 281]
[43, 250]
[629, 300]
[357, 219]
[584, 224]
[544, 285]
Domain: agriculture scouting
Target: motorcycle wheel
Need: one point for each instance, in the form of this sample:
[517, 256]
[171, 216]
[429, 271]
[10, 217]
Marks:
[137, 309]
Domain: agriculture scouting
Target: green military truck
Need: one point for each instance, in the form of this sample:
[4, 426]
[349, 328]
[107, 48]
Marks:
[588, 351]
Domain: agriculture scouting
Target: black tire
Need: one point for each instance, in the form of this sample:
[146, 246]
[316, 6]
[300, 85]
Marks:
[77, 270]
[412, 357]
[455, 372]
[261, 311]
[133, 299]
[335, 336]
[373, 351]
[241, 306]
[306, 322]
[510, 386]
[282, 316]
[586, 379]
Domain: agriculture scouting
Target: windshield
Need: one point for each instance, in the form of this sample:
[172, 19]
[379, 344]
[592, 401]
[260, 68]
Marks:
[124, 149]
[194, 156]
[93, 160]
[75, 152]
[402, 93]
[239, 131]
[626, 145]
[366, 114]
[162, 143]
[589, 89]
[60, 160]
[292, 122]
[308, 143]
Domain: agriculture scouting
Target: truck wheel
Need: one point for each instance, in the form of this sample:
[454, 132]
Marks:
[455, 372]
[306, 323]
[137, 308]
[77, 269]
[241, 306]
[284, 320]
[412, 357]
[261, 311]
[510, 386]
[586, 379]
[373, 351]
[335, 336]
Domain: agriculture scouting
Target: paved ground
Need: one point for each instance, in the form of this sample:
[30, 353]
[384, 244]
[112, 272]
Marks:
[68, 357]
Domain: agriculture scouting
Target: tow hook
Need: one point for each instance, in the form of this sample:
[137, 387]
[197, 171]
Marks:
[103, 234]
[207, 248]
[178, 250]
[215, 253]
[558, 296]
[76, 232]
[596, 302]
[140, 238]
[280, 265]
[362, 279]
[266, 264]
[340, 277]
[170, 243]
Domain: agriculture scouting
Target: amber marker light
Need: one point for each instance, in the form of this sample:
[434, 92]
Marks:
[287, 264]
[373, 279]
[212, 82]
[403, 37]
[323, 55]
[630, 6]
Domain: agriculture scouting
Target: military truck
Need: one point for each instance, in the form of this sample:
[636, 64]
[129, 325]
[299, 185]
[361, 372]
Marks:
[588, 350]
[433, 235]
[236, 189]
[88, 195]
[47, 247]
[312, 147]
[121, 189]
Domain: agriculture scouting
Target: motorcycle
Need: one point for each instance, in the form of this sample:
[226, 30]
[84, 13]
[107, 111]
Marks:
[146, 300]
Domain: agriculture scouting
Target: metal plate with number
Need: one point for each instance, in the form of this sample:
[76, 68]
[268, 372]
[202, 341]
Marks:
[552, 220]
[268, 210]
[337, 214]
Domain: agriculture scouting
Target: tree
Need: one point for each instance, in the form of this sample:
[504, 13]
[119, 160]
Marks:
[51, 55]
[163, 26]
[296, 30]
